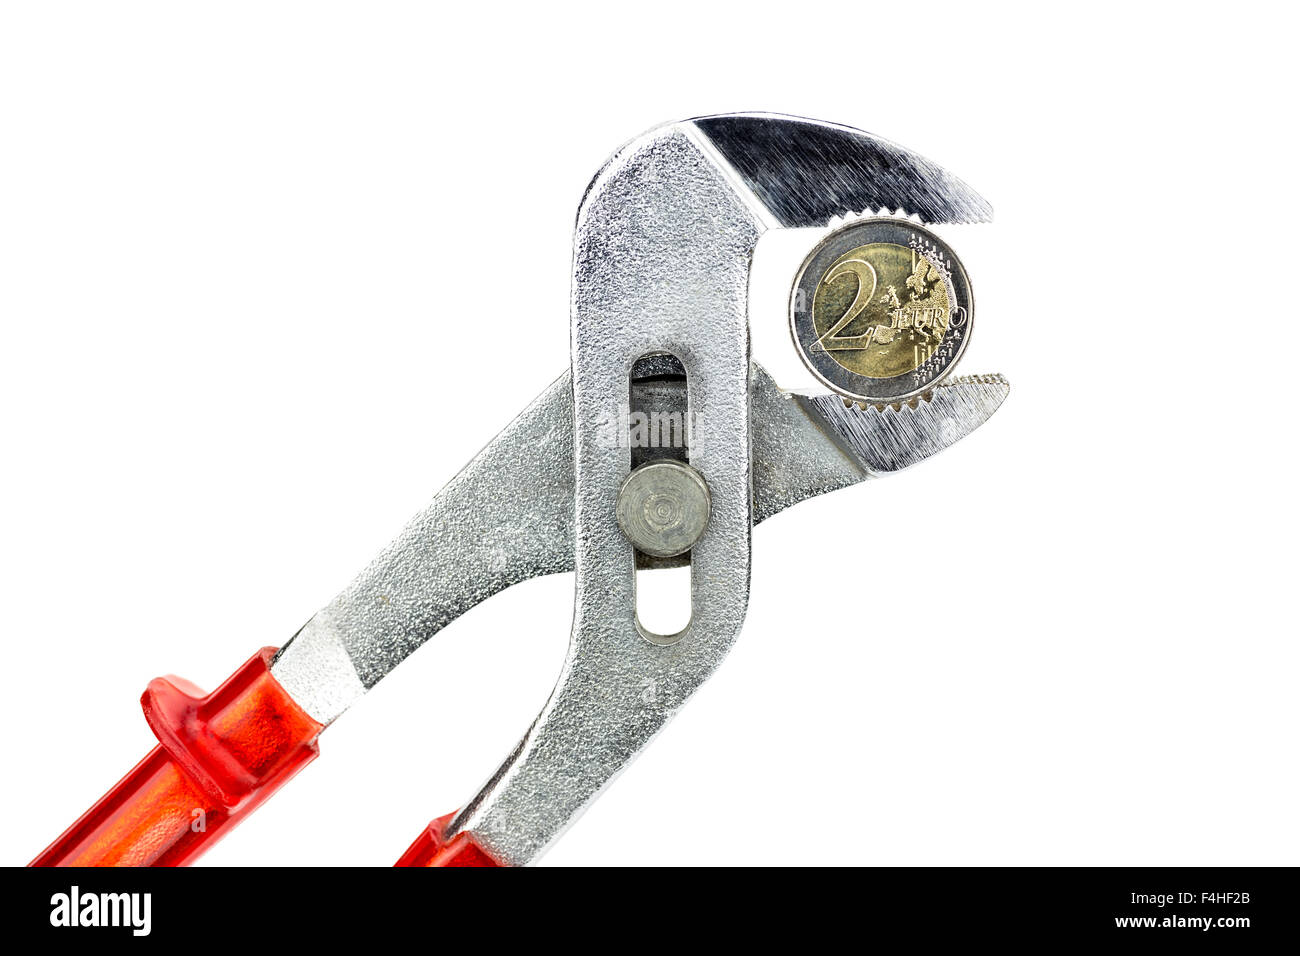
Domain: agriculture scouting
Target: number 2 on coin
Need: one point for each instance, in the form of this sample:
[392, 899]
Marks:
[865, 273]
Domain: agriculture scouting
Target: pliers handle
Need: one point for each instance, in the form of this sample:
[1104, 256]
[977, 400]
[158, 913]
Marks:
[219, 755]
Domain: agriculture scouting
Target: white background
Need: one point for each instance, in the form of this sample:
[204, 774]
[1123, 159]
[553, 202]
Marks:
[235, 240]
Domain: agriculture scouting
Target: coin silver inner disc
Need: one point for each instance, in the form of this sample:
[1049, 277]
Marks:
[881, 310]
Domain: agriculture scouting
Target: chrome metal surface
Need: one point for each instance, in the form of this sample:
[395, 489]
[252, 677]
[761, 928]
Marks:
[662, 250]
[663, 244]
[895, 437]
[470, 542]
[807, 172]
[663, 507]
[478, 536]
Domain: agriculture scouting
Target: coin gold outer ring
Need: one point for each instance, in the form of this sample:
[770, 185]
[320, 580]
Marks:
[830, 372]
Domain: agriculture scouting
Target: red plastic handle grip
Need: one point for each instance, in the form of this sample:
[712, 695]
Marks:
[430, 849]
[218, 757]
